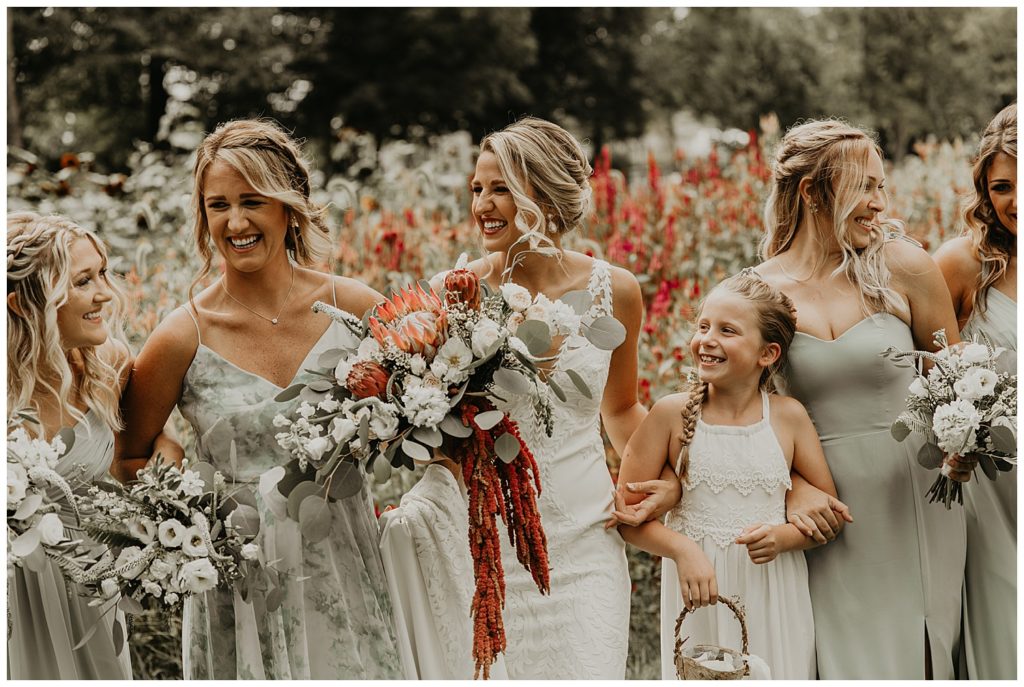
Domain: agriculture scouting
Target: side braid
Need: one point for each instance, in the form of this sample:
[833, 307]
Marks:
[690, 413]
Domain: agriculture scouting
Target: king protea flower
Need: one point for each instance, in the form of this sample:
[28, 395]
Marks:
[463, 286]
[413, 320]
[367, 378]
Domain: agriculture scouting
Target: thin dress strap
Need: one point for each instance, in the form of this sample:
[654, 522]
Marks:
[334, 291]
[196, 321]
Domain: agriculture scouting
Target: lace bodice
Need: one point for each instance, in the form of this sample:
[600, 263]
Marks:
[737, 476]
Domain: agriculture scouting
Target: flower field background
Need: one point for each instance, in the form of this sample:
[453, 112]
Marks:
[679, 228]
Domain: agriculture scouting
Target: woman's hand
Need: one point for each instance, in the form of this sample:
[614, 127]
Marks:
[697, 581]
[662, 495]
[761, 541]
[959, 468]
[815, 513]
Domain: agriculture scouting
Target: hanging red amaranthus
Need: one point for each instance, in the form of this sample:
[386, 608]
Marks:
[498, 488]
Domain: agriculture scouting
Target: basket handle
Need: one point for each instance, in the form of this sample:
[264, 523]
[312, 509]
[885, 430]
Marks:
[734, 605]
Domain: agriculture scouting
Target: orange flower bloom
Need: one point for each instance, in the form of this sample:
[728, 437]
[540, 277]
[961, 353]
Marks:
[463, 286]
[367, 378]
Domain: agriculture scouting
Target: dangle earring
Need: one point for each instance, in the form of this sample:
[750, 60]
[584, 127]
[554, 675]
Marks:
[813, 207]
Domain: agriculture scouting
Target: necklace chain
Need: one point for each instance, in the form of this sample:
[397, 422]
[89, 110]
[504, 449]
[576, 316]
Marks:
[799, 281]
[271, 320]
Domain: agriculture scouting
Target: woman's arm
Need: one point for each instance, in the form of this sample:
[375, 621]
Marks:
[917, 276]
[621, 410]
[960, 270]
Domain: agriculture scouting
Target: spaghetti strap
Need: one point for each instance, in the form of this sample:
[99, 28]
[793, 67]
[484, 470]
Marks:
[334, 290]
[195, 320]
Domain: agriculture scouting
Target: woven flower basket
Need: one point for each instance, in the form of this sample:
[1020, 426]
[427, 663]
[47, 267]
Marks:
[687, 668]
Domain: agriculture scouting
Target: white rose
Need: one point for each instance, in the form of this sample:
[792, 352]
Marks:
[128, 556]
[316, 447]
[17, 483]
[417, 364]
[142, 529]
[425, 406]
[384, 421]
[152, 588]
[540, 310]
[342, 429]
[974, 353]
[171, 533]
[198, 576]
[451, 361]
[514, 320]
[51, 529]
[250, 551]
[918, 388]
[191, 483]
[977, 383]
[564, 318]
[160, 569]
[193, 544]
[485, 334]
[109, 587]
[517, 297]
[955, 425]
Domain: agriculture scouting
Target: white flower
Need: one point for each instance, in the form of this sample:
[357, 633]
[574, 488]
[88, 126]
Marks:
[341, 371]
[193, 544]
[142, 529]
[974, 353]
[329, 404]
[109, 587]
[451, 361]
[17, 483]
[540, 310]
[977, 383]
[486, 333]
[160, 569]
[955, 425]
[425, 406]
[191, 483]
[918, 388]
[198, 576]
[316, 447]
[564, 318]
[129, 555]
[418, 364]
[250, 551]
[171, 533]
[281, 420]
[342, 429]
[384, 421]
[368, 348]
[51, 529]
[518, 344]
[152, 588]
[306, 411]
[170, 598]
[514, 320]
[517, 297]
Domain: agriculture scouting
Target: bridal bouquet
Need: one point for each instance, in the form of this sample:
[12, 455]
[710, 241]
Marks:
[963, 405]
[426, 374]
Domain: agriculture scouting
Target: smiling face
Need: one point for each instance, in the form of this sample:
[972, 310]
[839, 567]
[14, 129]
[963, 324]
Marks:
[80, 320]
[1002, 190]
[494, 208]
[863, 222]
[247, 227]
[727, 345]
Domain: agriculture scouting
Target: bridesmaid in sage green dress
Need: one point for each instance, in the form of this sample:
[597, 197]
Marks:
[222, 359]
[885, 594]
[981, 272]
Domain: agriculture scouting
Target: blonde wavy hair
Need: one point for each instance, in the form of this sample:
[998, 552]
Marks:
[548, 174]
[776, 321]
[271, 162]
[834, 155]
[39, 274]
[993, 244]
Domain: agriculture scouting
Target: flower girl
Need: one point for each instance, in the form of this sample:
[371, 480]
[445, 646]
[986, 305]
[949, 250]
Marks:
[733, 444]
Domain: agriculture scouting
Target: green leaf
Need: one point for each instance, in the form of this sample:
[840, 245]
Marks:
[1003, 465]
[28, 506]
[929, 456]
[430, 437]
[311, 395]
[988, 466]
[117, 636]
[364, 430]
[458, 397]
[453, 426]
[1003, 439]
[346, 480]
[299, 494]
[130, 605]
[899, 430]
[289, 393]
[381, 471]
[26, 543]
[274, 598]
[87, 636]
[556, 389]
[315, 518]
[488, 419]
[512, 380]
[580, 301]
[330, 358]
[245, 520]
[578, 382]
[391, 453]
[415, 451]
[293, 475]
[507, 447]
[320, 385]
[530, 365]
[536, 335]
[605, 333]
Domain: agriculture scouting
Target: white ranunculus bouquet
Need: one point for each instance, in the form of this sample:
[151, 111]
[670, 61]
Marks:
[965, 404]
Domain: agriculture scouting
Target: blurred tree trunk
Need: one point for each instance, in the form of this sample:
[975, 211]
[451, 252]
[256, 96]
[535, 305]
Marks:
[156, 98]
[14, 136]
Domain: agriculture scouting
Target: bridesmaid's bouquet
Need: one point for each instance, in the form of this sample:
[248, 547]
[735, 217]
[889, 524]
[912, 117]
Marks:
[964, 405]
[426, 374]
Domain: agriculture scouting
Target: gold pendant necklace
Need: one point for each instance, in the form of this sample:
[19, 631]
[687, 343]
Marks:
[271, 320]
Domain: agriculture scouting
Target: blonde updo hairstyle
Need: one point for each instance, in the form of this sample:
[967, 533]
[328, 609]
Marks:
[272, 163]
[548, 174]
[39, 275]
[834, 156]
[993, 244]
[776, 320]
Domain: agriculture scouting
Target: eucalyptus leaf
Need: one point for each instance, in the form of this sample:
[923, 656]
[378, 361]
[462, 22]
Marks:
[391, 453]
[507, 447]
[579, 300]
[987, 466]
[1003, 465]
[381, 471]
[556, 389]
[293, 475]
[415, 451]
[536, 335]
[424, 435]
[245, 520]
[346, 480]
[299, 494]
[488, 419]
[28, 506]
[899, 430]
[453, 426]
[87, 636]
[605, 333]
[512, 380]
[130, 605]
[364, 430]
[289, 393]
[1003, 439]
[530, 365]
[929, 456]
[26, 543]
[578, 382]
[315, 518]
[274, 598]
[330, 358]
[320, 385]
[458, 397]
[117, 636]
[311, 395]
